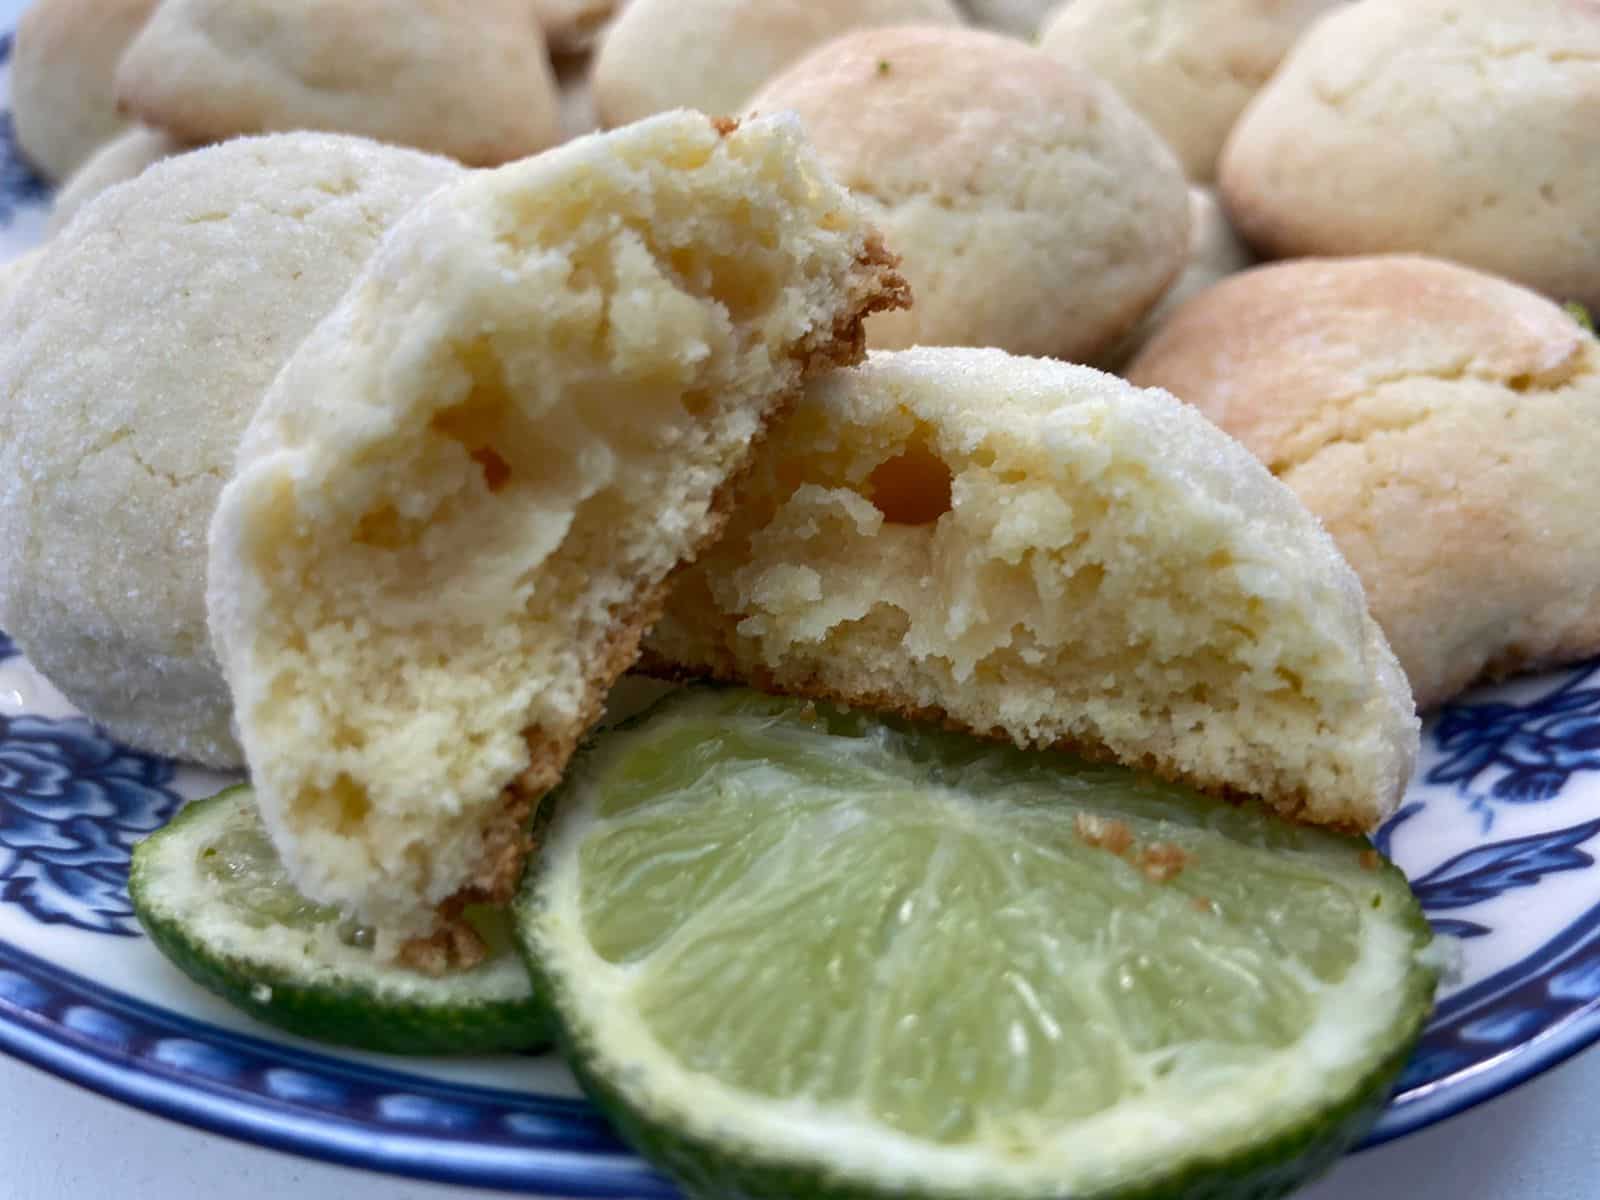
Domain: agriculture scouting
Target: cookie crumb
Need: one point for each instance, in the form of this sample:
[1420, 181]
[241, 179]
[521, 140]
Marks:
[1103, 833]
[1163, 861]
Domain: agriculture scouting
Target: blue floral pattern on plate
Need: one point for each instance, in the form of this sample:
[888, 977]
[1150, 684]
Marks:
[82, 995]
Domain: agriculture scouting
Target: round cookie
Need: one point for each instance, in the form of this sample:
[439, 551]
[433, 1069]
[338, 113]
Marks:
[1019, 18]
[713, 54]
[122, 158]
[1463, 129]
[1215, 252]
[469, 80]
[1443, 423]
[1032, 209]
[62, 68]
[1188, 67]
[1037, 551]
[136, 353]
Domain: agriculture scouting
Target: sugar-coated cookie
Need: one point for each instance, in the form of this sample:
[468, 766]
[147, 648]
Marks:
[459, 505]
[714, 54]
[63, 64]
[130, 362]
[1443, 423]
[1038, 551]
[470, 80]
[1462, 129]
[1033, 210]
[1188, 67]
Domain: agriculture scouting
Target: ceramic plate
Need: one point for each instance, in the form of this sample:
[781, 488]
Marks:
[1498, 835]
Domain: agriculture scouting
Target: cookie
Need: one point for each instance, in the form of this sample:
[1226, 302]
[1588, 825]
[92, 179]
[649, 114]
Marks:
[122, 158]
[472, 81]
[1460, 129]
[713, 54]
[1033, 210]
[1036, 551]
[1188, 67]
[1215, 252]
[134, 355]
[63, 64]
[1443, 424]
[460, 503]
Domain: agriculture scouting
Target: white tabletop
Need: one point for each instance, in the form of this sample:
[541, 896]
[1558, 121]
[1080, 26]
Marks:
[57, 1142]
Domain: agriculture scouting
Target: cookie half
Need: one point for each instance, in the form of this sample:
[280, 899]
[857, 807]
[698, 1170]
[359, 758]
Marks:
[1040, 552]
[461, 501]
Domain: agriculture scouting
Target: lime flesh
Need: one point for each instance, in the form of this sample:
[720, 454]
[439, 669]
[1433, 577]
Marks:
[791, 946]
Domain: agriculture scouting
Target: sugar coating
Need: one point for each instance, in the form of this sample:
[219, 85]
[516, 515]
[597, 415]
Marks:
[1443, 424]
[1215, 252]
[472, 81]
[1033, 210]
[119, 160]
[460, 501]
[714, 54]
[141, 343]
[14, 271]
[62, 67]
[1188, 67]
[1038, 551]
[1462, 129]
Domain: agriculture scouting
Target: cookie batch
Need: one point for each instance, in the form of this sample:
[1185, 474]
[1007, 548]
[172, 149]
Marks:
[399, 372]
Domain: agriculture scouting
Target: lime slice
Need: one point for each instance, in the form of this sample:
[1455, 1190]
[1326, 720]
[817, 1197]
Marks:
[212, 895]
[799, 951]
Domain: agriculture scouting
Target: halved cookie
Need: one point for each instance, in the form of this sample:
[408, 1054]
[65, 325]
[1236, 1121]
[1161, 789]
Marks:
[458, 507]
[1041, 552]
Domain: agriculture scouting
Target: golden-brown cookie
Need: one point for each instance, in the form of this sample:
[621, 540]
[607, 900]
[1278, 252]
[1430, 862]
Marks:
[1033, 210]
[1443, 423]
[1463, 129]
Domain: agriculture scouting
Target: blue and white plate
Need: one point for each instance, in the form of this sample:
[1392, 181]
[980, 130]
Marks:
[1498, 834]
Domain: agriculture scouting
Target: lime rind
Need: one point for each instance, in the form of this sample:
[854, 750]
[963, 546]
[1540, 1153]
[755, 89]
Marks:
[307, 977]
[1277, 1121]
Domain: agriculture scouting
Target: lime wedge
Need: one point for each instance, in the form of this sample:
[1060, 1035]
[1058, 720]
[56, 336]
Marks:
[212, 894]
[795, 950]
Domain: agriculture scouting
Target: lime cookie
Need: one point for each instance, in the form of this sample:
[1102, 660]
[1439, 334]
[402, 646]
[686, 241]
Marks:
[1041, 552]
[123, 158]
[933, 128]
[472, 81]
[1463, 129]
[134, 356]
[1441, 422]
[62, 70]
[713, 54]
[1189, 67]
[1215, 252]
[459, 505]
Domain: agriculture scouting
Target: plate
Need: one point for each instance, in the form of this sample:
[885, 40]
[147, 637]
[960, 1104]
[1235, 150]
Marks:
[1498, 834]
